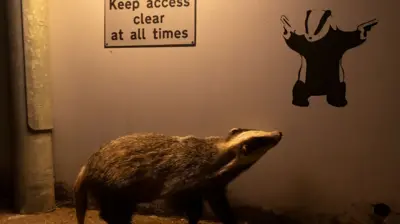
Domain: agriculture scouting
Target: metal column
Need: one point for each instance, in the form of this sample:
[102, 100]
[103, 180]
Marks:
[31, 98]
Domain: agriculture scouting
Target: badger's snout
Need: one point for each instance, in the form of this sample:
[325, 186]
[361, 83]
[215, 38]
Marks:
[277, 136]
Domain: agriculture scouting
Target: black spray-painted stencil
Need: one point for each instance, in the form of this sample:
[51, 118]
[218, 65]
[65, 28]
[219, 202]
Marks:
[321, 48]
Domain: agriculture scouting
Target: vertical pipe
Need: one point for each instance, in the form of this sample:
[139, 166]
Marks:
[34, 175]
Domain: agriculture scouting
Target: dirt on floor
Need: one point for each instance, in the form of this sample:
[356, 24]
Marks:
[67, 216]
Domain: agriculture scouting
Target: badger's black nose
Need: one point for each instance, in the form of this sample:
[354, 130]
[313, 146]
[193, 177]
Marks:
[279, 136]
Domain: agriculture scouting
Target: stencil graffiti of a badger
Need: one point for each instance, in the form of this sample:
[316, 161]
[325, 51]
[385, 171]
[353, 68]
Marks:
[321, 48]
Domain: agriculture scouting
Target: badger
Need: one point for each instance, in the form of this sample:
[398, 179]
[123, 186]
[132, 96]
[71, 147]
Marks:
[184, 172]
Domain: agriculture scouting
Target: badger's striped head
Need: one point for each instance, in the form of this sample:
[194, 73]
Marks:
[317, 24]
[249, 145]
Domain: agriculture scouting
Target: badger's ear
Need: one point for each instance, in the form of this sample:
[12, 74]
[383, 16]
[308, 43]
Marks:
[329, 12]
[234, 131]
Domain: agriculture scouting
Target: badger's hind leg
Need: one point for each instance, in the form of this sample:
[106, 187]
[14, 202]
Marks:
[116, 210]
[220, 206]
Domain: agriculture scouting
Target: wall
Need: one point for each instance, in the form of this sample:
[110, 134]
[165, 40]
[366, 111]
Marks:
[240, 74]
[5, 143]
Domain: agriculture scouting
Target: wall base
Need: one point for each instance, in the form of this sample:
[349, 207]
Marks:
[356, 214]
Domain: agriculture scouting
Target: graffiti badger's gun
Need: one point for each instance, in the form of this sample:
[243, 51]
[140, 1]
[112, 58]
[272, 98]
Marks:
[365, 27]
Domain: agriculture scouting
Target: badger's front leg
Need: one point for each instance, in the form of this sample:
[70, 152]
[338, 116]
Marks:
[220, 206]
[190, 203]
[194, 209]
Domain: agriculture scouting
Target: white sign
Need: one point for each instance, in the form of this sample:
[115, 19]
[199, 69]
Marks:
[149, 23]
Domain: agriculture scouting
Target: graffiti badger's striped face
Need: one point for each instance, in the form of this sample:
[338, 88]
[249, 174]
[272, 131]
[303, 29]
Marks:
[317, 24]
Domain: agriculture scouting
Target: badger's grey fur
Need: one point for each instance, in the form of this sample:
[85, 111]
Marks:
[184, 171]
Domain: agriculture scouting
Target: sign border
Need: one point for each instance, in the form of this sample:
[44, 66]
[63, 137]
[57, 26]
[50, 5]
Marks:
[193, 44]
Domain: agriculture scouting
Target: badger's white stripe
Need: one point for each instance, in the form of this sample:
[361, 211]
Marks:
[242, 137]
[313, 21]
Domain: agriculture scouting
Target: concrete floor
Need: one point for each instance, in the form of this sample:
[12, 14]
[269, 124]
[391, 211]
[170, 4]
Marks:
[67, 216]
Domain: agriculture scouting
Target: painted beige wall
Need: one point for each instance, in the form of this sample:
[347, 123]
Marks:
[240, 74]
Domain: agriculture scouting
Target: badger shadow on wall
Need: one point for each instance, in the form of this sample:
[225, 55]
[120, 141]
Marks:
[321, 48]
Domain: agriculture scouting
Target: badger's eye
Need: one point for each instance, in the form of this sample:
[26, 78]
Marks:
[244, 149]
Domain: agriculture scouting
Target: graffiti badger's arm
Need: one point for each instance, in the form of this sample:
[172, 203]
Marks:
[295, 41]
[355, 38]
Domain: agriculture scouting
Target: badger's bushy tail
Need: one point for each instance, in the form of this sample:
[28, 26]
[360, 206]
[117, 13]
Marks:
[80, 196]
